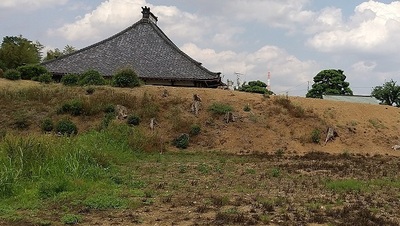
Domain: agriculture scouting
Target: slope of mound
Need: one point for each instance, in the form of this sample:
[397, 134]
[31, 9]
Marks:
[275, 124]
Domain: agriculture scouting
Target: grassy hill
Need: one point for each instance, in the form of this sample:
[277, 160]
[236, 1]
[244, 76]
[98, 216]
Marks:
[270, 124]
[254, 170]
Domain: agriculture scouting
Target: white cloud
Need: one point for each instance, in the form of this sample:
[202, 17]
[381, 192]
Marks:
[374, 28]
[282, 13]
[219, 28]
[109, 17]
[29, 4]
[287, 70]
[364, 66]
[329, 18]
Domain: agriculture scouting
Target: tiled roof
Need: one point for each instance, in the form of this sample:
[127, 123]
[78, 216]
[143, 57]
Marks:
[143, 47]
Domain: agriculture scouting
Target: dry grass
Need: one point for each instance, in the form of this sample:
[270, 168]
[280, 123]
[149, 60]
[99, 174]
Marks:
[277, 122]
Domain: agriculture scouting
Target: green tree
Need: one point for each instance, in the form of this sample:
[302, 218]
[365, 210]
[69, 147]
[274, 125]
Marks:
[16, 51]
[53, 54]
[388, 94]
[329, 82]
[255, 87]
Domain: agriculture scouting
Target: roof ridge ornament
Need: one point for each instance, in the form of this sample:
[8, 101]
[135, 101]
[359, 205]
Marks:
[148, 15]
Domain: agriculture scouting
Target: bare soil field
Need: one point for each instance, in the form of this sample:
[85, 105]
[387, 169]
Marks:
[314, 189]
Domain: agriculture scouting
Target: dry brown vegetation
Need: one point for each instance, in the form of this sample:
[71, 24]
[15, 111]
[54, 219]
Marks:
[272, 124]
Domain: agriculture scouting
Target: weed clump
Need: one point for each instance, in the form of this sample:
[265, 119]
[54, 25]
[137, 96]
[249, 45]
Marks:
[90, 90]
[133, 120]
[107, 120]
[247, 108]
[220, 108]
[109, 108]
[66, 127]
[47, 125]
[71, 219]
[316, 136]
[74, 107]
[194, 130]
[182, 141]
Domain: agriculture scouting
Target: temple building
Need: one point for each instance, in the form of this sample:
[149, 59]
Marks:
[144, 48]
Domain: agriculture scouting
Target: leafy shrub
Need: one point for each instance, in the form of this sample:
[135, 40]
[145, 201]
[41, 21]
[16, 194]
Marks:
[74, 107]
[92, 77]
[125, 78]
[45, 78]
[12, 74]
[70, 80]
[220, 108]
[1, 73]
[316, 136]
[30, 71]
[90, 90]
[66, 127]
[47, 125]
[181, 142]
[195, 130]
[133, 120]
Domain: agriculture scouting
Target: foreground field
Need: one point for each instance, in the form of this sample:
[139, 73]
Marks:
[268, 167]
[213, 188]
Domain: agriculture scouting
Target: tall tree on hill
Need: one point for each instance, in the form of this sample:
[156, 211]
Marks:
[329, 82]
[16, 51]
[53, 54]
[388, 94]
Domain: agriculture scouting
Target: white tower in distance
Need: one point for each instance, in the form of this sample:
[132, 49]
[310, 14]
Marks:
[269, 81]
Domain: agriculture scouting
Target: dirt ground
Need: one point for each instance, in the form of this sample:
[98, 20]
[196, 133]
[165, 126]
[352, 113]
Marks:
[310, 189]
[362, 128]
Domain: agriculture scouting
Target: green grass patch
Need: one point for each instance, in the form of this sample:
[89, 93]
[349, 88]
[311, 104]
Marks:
[220, 108]
[346, 185]
[105, 201]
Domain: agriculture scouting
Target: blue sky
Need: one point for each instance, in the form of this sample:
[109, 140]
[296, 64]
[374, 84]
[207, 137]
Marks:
[293, 39]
